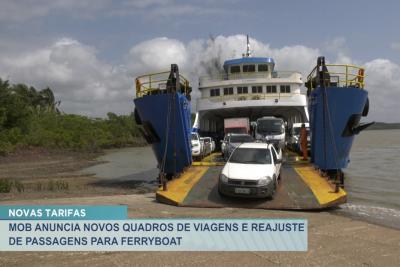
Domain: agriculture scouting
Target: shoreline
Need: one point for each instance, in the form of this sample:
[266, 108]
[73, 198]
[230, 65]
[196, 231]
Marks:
[334, 238]
[112, 172]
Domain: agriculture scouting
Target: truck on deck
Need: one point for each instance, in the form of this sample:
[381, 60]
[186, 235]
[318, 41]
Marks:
[237, 125]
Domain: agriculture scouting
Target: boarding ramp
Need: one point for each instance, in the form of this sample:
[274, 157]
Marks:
[301, 188]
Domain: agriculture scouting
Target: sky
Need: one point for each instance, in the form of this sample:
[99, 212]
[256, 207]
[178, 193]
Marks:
[89, 51]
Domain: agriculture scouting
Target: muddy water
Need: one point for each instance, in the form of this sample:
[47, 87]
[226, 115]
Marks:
[123, 162]
[128, 167]
[373, 177]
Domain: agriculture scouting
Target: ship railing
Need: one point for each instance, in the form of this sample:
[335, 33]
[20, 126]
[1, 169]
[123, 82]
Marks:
[338, 75]
[247, 75]
[251, 96]
[157, 82]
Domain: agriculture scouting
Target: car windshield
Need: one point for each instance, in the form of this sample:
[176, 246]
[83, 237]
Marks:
[194, 137]
[241, 138]
[251, 156]
[270, 126]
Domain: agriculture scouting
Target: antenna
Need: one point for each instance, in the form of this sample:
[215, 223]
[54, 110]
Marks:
[248, 52]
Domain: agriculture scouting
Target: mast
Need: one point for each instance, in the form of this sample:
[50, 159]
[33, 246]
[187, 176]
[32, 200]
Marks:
[248, 52]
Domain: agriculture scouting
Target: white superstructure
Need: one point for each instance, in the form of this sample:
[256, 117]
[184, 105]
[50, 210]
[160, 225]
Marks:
[249, 87]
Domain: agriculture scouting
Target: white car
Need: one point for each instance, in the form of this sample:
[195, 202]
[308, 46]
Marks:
[253, 170]
[196, 145]
[233, 141]
[211, 141]
[206, 145]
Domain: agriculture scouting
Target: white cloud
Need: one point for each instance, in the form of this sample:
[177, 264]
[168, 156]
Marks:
[82, 82]
[199, 56]
[156, 54]
[87, 85]
[383, 85]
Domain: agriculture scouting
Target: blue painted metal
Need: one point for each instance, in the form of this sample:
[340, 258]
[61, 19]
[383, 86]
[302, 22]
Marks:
[237, 61]
[330, 110]
[153, 110]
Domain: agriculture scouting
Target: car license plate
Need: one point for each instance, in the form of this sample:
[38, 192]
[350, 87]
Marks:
[242, 190]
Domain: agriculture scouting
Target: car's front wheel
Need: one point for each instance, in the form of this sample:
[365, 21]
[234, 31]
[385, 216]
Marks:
[219, 191]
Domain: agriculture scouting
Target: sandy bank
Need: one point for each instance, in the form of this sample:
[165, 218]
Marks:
[333, 240]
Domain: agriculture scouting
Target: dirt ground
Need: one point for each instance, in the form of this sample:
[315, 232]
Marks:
[40, 173]
[51, 177]
[333, 240]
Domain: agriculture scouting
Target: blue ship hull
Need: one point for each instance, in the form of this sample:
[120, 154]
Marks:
[170, 135]
[335, 113]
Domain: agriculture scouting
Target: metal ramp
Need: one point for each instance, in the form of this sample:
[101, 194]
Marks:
[301, 188]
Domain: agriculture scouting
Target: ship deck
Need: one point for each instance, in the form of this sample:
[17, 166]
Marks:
[301, 188]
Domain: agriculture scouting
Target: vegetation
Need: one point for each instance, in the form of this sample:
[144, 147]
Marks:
[5, 186]
[29, 117]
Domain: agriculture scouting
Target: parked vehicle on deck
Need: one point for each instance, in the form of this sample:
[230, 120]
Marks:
[233, 141]
[206, 145]
[237, 125]
[223, 144]
[212, 143]
[197, 148]
[253, 170]
[271, 129]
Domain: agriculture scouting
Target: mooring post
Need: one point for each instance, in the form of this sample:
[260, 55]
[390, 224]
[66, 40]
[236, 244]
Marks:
[337, 181]
[162, 181]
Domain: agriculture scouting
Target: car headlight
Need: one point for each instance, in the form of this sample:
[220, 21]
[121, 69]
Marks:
[264, 180]
[223, 178]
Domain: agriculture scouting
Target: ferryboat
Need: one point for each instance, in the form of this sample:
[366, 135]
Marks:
[250, 87]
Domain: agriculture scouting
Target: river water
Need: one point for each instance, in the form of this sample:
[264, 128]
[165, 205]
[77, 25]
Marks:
[372, 178]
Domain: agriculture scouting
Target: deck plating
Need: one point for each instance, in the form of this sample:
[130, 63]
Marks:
[301, 188]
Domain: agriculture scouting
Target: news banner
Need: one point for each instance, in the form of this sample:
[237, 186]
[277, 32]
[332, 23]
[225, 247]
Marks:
[108, 228]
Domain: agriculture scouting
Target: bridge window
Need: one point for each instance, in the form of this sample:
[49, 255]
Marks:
[249, 68]
[271, 89]
[256, 89]
[235, 69]
[214, 92]
[262, 67]
[285, 89]
[242, 90]
[228, 91]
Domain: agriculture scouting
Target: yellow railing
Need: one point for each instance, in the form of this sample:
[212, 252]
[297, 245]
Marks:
[340, 75]
[155, 82]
